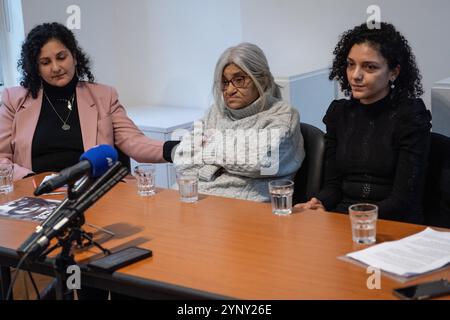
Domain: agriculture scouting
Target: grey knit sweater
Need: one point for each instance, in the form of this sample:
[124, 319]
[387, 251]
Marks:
[237, 152]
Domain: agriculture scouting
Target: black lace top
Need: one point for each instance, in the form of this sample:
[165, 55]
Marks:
[376, 153]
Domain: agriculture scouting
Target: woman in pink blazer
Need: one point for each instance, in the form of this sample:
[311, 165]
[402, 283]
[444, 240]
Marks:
[48, 122]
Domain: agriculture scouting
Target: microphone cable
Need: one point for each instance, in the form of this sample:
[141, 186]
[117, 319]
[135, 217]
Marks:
[18, 270]
[11, 285]
[100, 187]
[36, 290]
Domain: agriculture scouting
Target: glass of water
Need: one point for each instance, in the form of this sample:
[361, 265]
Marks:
[6, 177]
[281, 192]
[363, 217]
[145, 176]
[187, 185]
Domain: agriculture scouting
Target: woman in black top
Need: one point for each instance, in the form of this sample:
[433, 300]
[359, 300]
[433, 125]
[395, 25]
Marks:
[377, 141]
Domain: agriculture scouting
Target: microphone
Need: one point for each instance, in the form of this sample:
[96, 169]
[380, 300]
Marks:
[56, 214]
[94, 162]
[37, 243]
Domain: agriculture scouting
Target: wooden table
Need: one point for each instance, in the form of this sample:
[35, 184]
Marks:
[221, 248]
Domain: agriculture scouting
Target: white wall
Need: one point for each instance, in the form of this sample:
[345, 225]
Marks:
[11, 37]
[159, 52]
[170, 48]
[299, 35]
[164, 51]
[96, 35]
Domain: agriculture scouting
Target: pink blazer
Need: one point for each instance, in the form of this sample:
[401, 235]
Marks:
[103, 121]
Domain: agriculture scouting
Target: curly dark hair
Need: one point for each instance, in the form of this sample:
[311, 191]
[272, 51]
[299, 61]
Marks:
[392, 46]
[31, 48]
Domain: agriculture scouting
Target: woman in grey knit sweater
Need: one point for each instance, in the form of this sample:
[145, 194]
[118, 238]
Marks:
[249, 136]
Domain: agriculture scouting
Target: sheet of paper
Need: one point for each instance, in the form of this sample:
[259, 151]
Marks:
[28, 208]
[417, 254]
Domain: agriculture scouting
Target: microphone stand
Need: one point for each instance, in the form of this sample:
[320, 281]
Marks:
[68, 229]
[78, 235]
[73, 193]
[66, 258]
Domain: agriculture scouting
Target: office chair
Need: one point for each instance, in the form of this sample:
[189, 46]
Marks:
[308, 179]
[437, 188]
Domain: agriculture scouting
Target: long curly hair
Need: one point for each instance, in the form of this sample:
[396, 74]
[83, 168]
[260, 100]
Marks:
[393, 46]
[31, 48]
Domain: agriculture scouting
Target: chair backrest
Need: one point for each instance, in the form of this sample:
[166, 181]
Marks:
[437, 188]
[124, 159]
[308, 179]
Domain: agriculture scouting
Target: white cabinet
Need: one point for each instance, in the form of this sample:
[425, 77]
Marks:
[310, 93]
[159, 123]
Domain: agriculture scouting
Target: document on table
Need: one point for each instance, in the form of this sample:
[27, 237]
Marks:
[411, 256]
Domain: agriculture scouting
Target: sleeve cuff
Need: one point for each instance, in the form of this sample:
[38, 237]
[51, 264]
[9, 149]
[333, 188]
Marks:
[168, 148]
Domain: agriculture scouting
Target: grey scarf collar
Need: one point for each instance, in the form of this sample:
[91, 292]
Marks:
[252, 109]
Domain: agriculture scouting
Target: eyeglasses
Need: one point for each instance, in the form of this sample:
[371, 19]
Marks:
[238, 82]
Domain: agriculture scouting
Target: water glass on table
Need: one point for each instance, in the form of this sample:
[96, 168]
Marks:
[145, 176]
[187, 185]
[281, 192]
[363, 217]
[6, 178]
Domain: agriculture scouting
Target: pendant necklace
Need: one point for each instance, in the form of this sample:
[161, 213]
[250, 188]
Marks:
[69, 103]
[65, 125]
